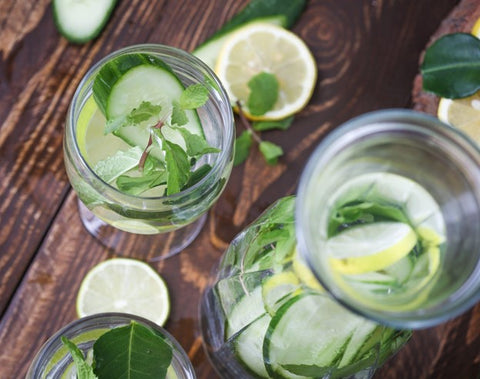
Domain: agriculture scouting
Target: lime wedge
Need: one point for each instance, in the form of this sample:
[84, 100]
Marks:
[124, 285]
[370, 247]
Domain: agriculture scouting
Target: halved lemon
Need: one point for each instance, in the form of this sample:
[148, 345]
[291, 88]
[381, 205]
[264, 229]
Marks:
[261, 47]
[463, 114]
[124, 285]
[370, 247]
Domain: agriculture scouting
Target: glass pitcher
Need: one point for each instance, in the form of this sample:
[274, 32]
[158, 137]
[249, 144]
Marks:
[266, 315]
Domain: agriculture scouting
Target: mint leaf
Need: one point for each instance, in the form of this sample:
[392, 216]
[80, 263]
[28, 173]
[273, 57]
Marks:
[145, 111]
[135, 185]
[117, 164]
[242, 147]
[178, 167]
[261, 126]
[197, 175]
[194, 96]
[196, 145]
[133, 351]
[270, 152]
[84, 370]
[263, 93]
[451, 66]
[179, 116]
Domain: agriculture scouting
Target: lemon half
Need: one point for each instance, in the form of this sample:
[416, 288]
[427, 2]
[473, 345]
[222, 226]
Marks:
[262, 47]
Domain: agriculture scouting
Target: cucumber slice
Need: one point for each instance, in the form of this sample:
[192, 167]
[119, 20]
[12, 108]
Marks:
[249, 308]
[123, 83]
[81, 21]
[248, 346]
[308, 334]
[280, 12]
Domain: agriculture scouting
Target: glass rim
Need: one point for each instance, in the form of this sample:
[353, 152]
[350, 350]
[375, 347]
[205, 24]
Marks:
[223, 155]
[436, 313]
[74, 327]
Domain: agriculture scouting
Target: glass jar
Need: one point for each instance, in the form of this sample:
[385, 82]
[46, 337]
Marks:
[266, 316]
[400, 177]
[53, 360]
[157, 225]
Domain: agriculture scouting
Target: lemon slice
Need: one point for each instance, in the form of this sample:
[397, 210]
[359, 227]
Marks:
[84, 119]
[124, 285]
[301, 269]
[370, 247]
[276, 287]
[261, 47]
[463, 114]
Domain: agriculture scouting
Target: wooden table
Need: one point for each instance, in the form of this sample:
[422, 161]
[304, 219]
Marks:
[367, 53]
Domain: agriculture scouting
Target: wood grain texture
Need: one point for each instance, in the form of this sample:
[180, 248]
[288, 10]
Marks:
[367, 54]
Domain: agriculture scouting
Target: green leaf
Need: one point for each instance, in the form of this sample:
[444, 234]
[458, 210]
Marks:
[135, 185]
[242, 147]
[270, 152]
[84, 370]
[261, 126]
[178, 167]
[145, 111]
[179, 117]
[118, 164]
[263, 93]
[451, 66]
[197, 175]
[133, 351]
[196, 145]
[194, 96]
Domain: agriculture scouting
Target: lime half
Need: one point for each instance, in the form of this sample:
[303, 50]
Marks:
[124, 285]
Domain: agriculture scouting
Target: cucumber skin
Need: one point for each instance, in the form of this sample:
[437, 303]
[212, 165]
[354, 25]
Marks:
[113, 70]
[257, 9]
[74, 39]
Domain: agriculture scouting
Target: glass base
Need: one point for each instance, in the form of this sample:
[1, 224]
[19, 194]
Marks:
[148, 247]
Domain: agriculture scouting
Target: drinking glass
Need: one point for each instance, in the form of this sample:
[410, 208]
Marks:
[154, 227]
[54, 360]
[421, 149]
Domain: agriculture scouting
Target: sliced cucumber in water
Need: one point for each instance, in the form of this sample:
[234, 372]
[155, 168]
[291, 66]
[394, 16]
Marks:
[81, 21]
[123, 83]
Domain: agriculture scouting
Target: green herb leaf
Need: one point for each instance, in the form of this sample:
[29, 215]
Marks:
[84, 370]
[179, 117]
[118, 164]
[133, 351]
[196, 145]
[194, 96]
[178, 167]
[145, 111]
[451, 66]
[270, 152]
[197, 175]
[242, 147]
[261, 126]
[263, 93]
[135, 185]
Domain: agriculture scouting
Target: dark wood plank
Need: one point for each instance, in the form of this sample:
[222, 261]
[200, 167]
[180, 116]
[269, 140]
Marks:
[367, 54]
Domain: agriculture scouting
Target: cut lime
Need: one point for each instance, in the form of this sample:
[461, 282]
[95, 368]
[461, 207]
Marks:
[83, 121]
[370, 247]
[124, 285]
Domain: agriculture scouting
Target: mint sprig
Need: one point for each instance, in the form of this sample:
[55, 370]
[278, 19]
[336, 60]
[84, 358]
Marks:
[270, 151]
[84, 370]
[172, 165]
